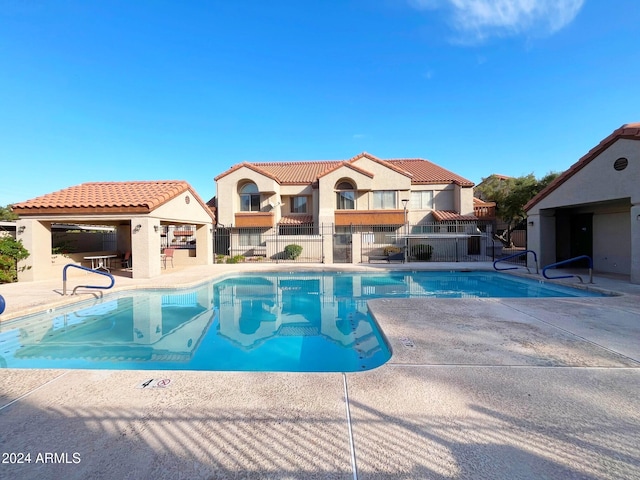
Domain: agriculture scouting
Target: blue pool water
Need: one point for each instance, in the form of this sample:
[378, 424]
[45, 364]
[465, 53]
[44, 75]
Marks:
[301, 322]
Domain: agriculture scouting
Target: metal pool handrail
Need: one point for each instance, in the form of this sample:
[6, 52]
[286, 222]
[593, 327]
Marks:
[564, 262]
[64, 279]
[535, 259]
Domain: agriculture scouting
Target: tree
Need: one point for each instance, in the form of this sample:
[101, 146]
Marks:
[511, 195]
[11, 251]
[6, 214]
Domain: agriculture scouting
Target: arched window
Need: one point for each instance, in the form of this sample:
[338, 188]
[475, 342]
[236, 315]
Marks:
[249, 198]
[345, 196]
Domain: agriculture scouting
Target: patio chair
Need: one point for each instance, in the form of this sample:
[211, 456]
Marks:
[126, 260]
[168, 253]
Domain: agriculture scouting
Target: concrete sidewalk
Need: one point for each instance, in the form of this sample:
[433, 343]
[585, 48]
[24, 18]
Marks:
[476, 389]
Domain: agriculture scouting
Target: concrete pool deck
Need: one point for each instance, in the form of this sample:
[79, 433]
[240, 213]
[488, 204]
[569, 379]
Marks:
[476, 388]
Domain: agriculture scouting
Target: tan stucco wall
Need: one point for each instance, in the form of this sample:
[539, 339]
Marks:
[145, 247]
[384, 179]
[36, 238]
[598, 181]
[229, 198]
[616, 234]
[612, 242]
[178, 210]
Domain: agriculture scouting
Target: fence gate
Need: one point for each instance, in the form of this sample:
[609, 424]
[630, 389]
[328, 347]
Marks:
[342, 251]
[221, 241]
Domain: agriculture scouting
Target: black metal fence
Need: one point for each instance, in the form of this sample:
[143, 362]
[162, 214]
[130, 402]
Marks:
[455, 241]
[296, 243]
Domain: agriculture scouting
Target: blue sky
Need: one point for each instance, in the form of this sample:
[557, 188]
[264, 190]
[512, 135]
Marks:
[151, 90]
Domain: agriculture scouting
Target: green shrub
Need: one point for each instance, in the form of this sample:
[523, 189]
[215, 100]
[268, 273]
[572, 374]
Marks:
[236, 259]
[292, 251]
[391, 250]
[422, 251]
[11, 251]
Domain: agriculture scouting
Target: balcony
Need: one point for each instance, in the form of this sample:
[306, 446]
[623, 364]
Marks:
[254, 219]
[484, 210]
[369, 217]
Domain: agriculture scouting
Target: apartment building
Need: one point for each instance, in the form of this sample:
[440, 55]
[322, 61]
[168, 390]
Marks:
[363, 194]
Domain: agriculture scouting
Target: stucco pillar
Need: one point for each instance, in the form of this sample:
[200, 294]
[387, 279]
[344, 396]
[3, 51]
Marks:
[36, 238]
[145, 247]
[635, 244]
[356, 247]
[204, 244]
[533, 238]
[327, 248]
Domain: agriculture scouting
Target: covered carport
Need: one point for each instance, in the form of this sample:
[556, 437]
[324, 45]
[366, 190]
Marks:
[138, 210]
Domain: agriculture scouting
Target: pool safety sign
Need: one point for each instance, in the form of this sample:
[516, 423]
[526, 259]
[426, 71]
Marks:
[155, 383]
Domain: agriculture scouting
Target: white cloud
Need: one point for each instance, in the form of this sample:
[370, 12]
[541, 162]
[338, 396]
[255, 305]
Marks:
[480, 19]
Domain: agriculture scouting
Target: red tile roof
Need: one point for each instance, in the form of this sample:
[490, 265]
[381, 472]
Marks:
[425, 172]
[478, 202]
[629, 131]
[107, 198]
[347, 165]
[296, 220]
[448, 215]
[302, 173]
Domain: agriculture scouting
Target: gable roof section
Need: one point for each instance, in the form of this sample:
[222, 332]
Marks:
[347, 165]
[421, 172]
[381, 162]
[291, 173]
[629, 131]
[107, 198]
[256, 167]
[425, 172]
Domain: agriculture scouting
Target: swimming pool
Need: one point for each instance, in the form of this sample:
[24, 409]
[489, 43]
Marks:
[300, 322]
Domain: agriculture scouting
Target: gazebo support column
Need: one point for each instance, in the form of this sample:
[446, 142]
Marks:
[204, 244]
[36, 238]
[145, 247]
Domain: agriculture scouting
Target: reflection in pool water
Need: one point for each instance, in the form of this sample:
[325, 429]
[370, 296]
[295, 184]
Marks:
[250, 323]
[305, 322]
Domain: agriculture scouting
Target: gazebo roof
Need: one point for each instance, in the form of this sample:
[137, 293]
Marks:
[138, 197]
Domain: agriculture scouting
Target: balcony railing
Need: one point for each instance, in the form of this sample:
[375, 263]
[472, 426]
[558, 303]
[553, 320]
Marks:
[485, 212]
[254, 219]
[369, 217]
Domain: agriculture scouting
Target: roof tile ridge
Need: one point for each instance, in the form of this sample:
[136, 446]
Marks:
[294, 162]
[257, 169]
[357, 169]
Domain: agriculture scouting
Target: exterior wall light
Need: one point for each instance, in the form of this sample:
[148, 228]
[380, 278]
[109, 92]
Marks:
[21, 229]
[156, 228]
[137, 229]
[530, 223]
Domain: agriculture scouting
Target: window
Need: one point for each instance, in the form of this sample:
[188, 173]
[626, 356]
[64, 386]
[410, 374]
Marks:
[298, 204]
[384, 200]
[345, 196]
[422, 200]
[249, 198]
[249, 238]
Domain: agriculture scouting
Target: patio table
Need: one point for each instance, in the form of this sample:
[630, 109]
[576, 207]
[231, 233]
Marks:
[100, 261]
